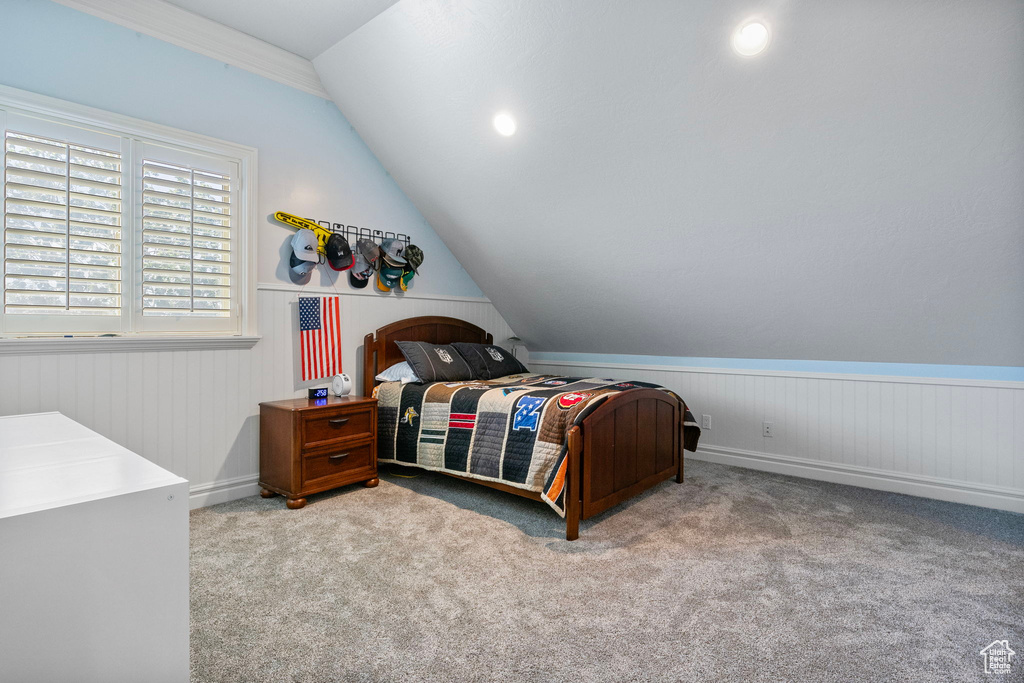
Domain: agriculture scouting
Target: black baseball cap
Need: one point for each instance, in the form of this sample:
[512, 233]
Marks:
[339, 253]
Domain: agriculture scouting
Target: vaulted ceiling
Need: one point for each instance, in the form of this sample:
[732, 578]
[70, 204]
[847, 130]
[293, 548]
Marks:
[852, 193]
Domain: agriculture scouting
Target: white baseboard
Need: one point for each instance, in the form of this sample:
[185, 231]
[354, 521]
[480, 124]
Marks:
[969, 493]
[203, 495]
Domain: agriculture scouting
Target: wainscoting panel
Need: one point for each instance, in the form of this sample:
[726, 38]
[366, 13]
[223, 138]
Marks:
[954, 440]
[195, 412]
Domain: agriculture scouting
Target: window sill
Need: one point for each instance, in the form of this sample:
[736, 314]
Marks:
[30, 346]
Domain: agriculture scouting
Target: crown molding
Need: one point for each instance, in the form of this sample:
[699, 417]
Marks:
[180, 27]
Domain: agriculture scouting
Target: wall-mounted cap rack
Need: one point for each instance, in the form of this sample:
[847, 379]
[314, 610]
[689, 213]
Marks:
[353, 233]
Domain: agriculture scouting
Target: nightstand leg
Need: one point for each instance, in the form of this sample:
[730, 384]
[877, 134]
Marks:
[370, 483]
[296, 503]
[267, 493]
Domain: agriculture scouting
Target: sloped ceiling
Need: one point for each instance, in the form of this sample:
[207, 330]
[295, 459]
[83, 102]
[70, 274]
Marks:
[854, 193]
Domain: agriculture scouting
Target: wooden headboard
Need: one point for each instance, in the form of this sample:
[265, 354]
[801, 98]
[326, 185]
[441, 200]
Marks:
[380, 351]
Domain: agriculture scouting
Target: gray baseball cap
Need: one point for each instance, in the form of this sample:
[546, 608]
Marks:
[370, 251]
[361, 273]
[305, 245]
[393, 250]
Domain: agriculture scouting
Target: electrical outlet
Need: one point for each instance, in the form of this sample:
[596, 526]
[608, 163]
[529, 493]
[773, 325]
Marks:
[769, 429]
[705, 422]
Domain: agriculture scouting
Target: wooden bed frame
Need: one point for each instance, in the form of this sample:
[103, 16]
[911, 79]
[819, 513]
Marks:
[630, 442]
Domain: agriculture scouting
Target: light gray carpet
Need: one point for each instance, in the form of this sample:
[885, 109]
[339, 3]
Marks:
[735, 575]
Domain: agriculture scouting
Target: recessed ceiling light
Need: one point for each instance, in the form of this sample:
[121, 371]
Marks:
[504, 123]
[750, 38]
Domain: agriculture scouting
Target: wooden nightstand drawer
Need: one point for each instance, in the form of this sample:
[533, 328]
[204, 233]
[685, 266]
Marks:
[321, 427]
[318, 470]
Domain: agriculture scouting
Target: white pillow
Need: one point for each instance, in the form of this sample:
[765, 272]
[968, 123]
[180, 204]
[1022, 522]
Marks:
[401, 372]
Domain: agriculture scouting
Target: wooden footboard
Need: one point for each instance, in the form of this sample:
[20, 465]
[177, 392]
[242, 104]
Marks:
[627, 445]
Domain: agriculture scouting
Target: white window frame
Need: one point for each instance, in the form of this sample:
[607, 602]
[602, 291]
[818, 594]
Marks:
[136, 133]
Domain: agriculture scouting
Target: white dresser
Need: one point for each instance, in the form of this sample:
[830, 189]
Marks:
[93, 558]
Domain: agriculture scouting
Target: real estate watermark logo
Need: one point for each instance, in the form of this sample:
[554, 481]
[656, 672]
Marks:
[998, 657]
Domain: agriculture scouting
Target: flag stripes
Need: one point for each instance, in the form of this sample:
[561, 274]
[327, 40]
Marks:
[320, 336]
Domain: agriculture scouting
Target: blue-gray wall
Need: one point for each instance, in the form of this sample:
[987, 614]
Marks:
[312, 162]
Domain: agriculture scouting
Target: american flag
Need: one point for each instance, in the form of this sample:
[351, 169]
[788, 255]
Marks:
[320, 336]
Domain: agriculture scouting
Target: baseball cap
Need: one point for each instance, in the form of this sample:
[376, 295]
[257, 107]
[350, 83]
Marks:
[361, 272]
[414, 255]
[392, 250]
[300, 266]
[304, 245]
[339, 253]
[407, 274]
[388, 277]
[370, 251]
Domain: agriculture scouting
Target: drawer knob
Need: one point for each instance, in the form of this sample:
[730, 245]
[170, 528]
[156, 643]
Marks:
[338, 457]
[339, 422]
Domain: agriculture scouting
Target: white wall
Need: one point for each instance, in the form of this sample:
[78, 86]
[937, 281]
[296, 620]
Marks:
[195, 413]
[951, 439]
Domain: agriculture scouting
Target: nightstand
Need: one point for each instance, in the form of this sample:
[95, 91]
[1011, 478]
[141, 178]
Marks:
[308, 446]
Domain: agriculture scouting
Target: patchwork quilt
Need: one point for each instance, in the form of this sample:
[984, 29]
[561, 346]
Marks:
[513, 429]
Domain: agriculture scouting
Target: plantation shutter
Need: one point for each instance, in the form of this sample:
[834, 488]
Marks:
[188, 239]
[62, 228]
[111, 225]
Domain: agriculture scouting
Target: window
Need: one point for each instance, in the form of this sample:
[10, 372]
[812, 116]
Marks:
[114, 225]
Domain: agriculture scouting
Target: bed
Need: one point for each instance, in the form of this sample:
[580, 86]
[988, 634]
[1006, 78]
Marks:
[605, 440]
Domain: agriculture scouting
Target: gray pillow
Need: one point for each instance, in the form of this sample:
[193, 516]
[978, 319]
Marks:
[489, 361]
[435, 362]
